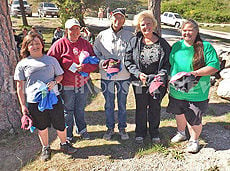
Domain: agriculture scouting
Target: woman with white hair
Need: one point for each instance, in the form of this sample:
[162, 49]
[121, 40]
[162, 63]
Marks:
[147, 57]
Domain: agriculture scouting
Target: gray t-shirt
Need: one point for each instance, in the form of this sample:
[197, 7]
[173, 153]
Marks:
[44, 69]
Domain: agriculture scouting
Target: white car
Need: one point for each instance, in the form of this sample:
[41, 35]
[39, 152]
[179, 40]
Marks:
[47, 8]
[15, 8]
[173, 19]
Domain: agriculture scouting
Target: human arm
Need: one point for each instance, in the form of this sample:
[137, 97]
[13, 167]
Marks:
[212, 64]
[56, 51]
[21, 96]
[129, 62]
[88, 67]
[98, 50]
[56, 81]
[207, 70]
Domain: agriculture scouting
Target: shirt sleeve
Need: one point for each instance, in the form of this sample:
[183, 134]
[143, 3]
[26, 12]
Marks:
[211, 57]
[57, 68]
[97, 47]
[55, 50]
[19, 73]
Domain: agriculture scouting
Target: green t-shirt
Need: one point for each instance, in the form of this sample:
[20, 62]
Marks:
[181, 60]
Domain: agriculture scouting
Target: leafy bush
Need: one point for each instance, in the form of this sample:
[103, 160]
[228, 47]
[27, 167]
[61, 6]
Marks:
[215, 11]
[71, 9]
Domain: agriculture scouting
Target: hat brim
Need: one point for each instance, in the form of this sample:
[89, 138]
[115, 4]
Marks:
[118, 12]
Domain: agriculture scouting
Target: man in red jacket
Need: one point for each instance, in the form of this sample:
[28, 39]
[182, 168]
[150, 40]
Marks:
[75, 89]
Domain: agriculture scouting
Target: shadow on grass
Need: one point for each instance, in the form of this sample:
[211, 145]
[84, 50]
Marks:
[218, 109]
[216, 135]
[117, 149]
[98, 117]
[19, 149]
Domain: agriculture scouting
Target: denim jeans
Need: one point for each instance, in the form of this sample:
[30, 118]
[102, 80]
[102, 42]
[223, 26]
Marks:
[108, 89]
[74, 105]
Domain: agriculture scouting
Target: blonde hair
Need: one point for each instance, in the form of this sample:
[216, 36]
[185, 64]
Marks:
[142, 15]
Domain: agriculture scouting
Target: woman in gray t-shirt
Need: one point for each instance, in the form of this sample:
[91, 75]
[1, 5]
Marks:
[35, 68]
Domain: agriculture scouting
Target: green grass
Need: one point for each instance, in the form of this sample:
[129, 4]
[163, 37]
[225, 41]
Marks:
[159, 148]
[216, 28]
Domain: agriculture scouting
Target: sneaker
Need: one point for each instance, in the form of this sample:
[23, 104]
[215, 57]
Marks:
[178, 138]
[156, 140]
[139, 140]
[67, 148]
[45, 154]
[108, 135]
[85, 136]
[123, 134]
[192, 147]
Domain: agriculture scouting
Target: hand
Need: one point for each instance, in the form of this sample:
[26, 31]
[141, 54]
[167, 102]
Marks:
[143, 78]
[79, 68]
[51, 85]
[195, 73]
[25, 110]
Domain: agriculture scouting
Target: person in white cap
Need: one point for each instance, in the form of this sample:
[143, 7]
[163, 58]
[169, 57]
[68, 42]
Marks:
[111, 44]
[75, 88]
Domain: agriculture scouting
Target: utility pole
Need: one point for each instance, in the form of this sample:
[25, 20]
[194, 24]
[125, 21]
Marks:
[155, 7]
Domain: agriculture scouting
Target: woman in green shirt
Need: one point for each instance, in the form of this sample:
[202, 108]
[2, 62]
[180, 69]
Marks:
[198, 57]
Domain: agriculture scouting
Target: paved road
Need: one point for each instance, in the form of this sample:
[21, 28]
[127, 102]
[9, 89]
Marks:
[171, 34]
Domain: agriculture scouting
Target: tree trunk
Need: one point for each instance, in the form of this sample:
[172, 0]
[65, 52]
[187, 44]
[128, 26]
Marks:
[22, 9]
[155, 7]
[9, 108]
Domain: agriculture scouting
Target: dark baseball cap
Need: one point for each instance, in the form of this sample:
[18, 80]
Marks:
[119, 11]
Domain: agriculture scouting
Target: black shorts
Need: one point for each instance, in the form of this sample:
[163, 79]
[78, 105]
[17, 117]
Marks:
[193, 111]
[42, 120]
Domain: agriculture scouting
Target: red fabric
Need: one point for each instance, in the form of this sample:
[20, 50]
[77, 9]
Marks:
[26, 122]
[155, 84]
[112, 65]
[66, 53]
[178, 76]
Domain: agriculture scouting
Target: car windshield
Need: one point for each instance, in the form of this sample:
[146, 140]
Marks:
[49, 5]
[17, 2]
[177, 16]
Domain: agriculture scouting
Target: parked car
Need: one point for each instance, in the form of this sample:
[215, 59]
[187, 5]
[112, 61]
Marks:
[173, 19]
[47, 8]
[15, 8]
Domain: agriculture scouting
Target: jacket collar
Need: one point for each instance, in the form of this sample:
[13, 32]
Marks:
[114, 31]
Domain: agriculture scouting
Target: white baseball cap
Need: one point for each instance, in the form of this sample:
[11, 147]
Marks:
[72, 22]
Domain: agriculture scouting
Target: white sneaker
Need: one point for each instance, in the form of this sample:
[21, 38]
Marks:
[178, 138]
[193, 147]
